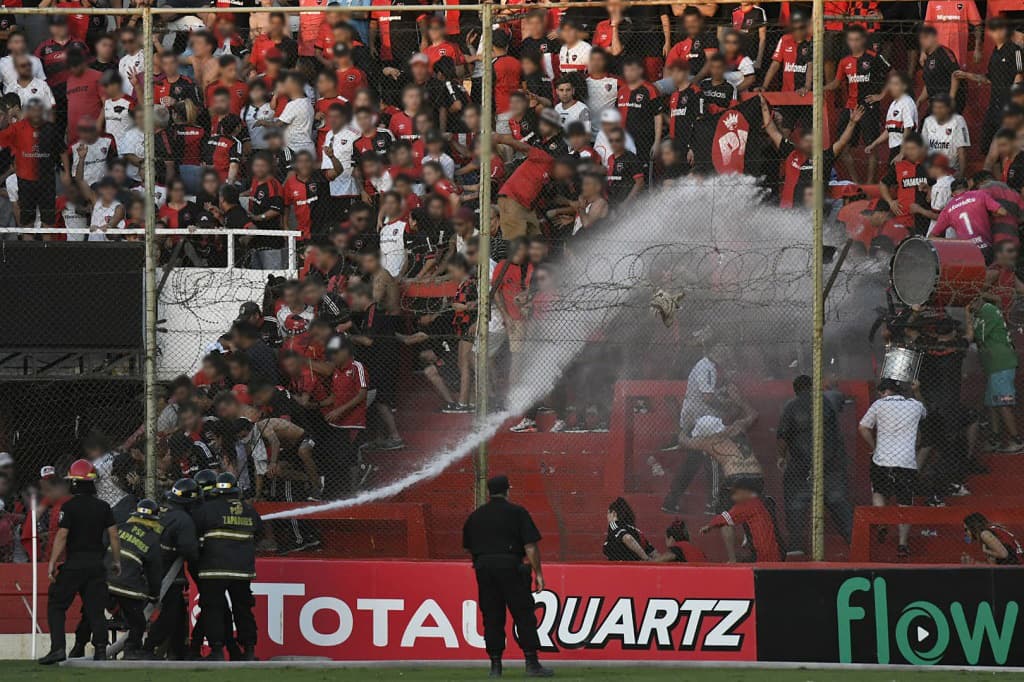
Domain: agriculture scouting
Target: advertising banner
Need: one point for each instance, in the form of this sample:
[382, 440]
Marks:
[926, 616]
[365, 610]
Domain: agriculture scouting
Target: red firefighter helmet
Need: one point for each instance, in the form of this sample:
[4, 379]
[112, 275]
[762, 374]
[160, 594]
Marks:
[81, 470]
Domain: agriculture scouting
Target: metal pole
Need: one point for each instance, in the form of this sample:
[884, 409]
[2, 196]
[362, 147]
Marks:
[151, 252]
[818, 430]
[484, 252]
[34, 503]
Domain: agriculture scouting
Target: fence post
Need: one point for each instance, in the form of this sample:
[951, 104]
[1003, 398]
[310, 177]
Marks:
[151, 251]
[484, 251]
[818, 426]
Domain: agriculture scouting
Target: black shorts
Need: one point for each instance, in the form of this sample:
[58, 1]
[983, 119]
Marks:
[33, 195]
[894, 483]
[869, 128]
[753, 481]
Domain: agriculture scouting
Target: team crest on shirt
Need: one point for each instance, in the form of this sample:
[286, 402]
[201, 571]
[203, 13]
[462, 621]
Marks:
[865, 64]
[607, 87]
[639, 97]
[959, 7]
[34, 90]
[118, 109]
[949, 131]
[931, 63]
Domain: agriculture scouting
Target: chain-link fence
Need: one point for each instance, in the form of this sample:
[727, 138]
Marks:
[574, 238]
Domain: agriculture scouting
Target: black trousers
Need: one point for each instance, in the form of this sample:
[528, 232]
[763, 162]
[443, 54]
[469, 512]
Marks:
[199, 631]
[171, 625]
[89, 581]
[695, 460]
[504, 584]
[213, 600]
[134, 613]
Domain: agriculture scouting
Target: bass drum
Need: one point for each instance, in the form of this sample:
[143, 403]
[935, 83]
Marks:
[937, 272]
[901, 364]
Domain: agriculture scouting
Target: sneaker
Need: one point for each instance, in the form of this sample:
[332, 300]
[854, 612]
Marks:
[935, 501]
[527, 425]
[464, 408]
[670, 508]
[99, 653]
[902, 552]
[77, 651]
[389, 444]
[558, 426]
[709, 509]
[883, 534]
[674, 445]
[1013, 445]
[656, 469]
[450, 408]
[960, 490]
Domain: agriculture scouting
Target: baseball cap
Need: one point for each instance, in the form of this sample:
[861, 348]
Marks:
[47, 473]
[6, 460]
[611, 116]
[419, 58]
[939, 161]
[248, 309]
[336, 343]
[708, 425]
[551, 116]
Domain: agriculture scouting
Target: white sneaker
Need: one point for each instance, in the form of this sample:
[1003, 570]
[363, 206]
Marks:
[527, 425]
[960, 490]
[558, 426]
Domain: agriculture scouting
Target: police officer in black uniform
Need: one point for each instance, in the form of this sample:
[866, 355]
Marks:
[498, 535]
[178, 540]
[82, 523]
[228, 527]
[138, 582]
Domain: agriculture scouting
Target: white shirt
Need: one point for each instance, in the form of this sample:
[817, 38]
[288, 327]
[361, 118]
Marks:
[602, 93]
[251, 114]
[133, 142]
[901, 116]
[307, 313]
[392, 246]
[942, 192]
[131, 63]
[74, 220]
[106, 489]
[604, 148]
[96, 157]
[946, 138]
[34, 89]
[703, 379]
[447, 164]
[10, 75]
[578, 111]
[745, 68]
[100, 215]
[117, 116]
[298, 119]
[575, 58]
[341, 142]
[895, 420]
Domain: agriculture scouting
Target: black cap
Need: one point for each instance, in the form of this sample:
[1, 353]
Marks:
[248, 309]
[498, 485]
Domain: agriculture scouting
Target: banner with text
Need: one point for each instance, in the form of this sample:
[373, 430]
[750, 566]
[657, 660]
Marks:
[920, 616]
[364, 610]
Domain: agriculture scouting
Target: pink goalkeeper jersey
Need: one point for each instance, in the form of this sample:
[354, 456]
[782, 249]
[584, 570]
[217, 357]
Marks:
[968, 215]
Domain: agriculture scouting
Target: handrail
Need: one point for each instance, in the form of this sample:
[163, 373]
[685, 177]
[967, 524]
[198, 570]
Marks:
[290, 235]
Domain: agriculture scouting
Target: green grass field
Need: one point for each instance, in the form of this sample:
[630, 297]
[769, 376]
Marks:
[25, 671]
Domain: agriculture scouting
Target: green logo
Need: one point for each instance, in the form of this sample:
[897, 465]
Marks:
[922, 630]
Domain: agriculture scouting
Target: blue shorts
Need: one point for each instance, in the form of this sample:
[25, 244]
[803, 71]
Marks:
[1001, 391]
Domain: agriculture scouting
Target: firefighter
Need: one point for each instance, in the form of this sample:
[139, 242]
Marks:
[138, 583]
[228, 527]
[207, 481]
[83, 521]
[178, 540]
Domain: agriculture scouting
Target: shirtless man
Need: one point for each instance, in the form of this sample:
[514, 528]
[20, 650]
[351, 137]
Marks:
[386, 292]
[729, 447]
